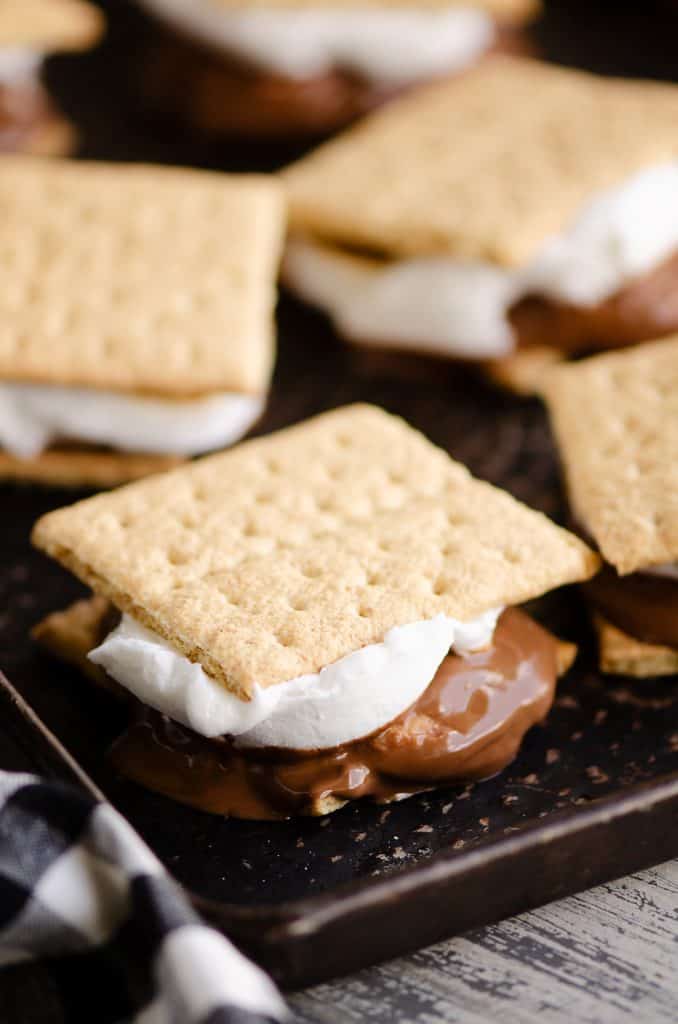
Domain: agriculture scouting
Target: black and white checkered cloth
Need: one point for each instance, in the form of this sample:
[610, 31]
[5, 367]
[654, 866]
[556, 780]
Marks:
[76, 879]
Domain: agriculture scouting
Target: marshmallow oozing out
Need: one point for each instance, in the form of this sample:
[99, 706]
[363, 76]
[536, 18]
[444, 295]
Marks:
[461, 308]
[345, 701]
[33, 416]
[386, 46]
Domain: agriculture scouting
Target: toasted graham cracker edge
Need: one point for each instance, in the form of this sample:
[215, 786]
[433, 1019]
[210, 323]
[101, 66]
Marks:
[52, 25]
[523, 370]
[72, 468]
[620, 654]
[615, 424]
[71, 634]
[248, 650]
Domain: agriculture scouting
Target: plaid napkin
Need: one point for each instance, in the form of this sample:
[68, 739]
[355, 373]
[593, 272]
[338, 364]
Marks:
[76, 879]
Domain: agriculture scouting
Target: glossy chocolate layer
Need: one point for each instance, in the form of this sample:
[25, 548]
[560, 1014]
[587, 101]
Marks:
[646, 308]
[643, 606]
[468, 724]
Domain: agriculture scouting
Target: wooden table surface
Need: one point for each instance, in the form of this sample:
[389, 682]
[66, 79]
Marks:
[606, 955]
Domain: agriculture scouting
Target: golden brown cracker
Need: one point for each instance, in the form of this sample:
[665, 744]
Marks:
[279, 557]
[72, 633]
[620, 654]
[615, 418]
[71, 467]
[137, 278]
[485, 166]
[49, 25]
[522, 371]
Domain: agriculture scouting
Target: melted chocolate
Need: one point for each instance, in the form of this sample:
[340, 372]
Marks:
[643, 606]
[645, 308]
[468, 724]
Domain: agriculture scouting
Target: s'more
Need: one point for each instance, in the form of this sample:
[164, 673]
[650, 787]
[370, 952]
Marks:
[30, 31]
[615, 418]
[136, 315]
[308, 67]
[325, 613]
[517, 215]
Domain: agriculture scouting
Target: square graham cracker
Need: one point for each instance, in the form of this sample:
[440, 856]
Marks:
[279, 557]
[623, 655]
[137, 278]
[615, 418]
[508, 11]
[49, 25]
[482, 167]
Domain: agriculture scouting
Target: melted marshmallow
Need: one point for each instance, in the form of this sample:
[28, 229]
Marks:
[19, 65]
[384, 45]
[439, 305]
[345, 701]
[33, 416]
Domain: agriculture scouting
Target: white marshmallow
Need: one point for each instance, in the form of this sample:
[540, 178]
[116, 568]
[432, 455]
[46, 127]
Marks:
[388, 46]
[32, 416]
[19, 65]
[351, 698]
[461, 309]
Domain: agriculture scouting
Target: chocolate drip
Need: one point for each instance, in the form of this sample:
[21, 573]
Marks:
[468, 724]
[644, 606]
[645, 308]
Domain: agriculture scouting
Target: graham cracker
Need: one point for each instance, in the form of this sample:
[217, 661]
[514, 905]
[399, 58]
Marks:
[622, 655]
[137, 278]
[69, 467]
[279, 557]
[485, 166]
[522, 371]
[72, 633]
[615, 418]
[49, 25]
[502, 10]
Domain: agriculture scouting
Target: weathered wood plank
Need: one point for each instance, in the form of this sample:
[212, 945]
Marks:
[602, 956]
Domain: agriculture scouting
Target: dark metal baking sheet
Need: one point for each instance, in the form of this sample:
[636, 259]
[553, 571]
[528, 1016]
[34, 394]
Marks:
[563, 816]
[593, 793]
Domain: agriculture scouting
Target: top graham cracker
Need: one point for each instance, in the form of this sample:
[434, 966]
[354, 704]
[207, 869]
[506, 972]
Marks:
[277, 558]
[615, 418]
[484, 166]
[502, 10]
[138, 279]
[49, 25]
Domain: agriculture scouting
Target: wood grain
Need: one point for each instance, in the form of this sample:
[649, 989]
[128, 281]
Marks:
[604, 956]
